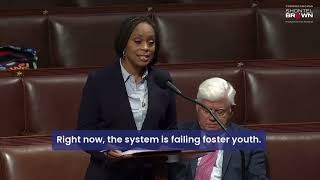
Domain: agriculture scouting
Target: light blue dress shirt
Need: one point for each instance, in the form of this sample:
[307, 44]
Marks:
[137, 94]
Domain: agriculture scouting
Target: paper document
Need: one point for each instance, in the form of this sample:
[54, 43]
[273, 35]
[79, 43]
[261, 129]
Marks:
[136, 151]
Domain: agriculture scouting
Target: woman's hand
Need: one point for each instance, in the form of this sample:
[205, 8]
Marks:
[114, 154]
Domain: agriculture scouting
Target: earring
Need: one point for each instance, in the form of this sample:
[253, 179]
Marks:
[123, 54]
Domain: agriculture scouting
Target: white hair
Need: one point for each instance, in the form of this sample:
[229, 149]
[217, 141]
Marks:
[214, 89]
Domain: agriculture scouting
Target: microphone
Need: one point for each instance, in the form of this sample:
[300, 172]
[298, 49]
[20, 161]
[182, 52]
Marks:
[164, 82]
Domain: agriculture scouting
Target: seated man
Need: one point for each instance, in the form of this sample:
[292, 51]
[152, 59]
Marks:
[218, 95]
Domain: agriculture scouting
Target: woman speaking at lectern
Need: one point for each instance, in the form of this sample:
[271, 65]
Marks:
[124, 96]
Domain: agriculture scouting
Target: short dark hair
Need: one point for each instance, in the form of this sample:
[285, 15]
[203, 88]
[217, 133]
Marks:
[126, 29]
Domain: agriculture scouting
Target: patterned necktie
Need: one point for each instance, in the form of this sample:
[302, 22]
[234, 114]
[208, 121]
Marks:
[206, 165]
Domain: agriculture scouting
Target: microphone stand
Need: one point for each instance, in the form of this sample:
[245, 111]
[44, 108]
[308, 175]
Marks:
[216, 118]
[209, 110]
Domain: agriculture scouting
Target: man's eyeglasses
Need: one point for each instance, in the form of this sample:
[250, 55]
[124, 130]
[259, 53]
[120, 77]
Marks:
[220, 112]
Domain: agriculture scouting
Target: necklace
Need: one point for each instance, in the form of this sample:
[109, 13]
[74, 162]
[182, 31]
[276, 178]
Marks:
[143, 103]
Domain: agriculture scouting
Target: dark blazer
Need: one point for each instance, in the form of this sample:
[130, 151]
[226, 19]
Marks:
[105, 106]
[255, 162]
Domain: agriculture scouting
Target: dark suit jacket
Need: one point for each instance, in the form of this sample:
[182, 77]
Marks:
[105, 106]
[255, 162]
